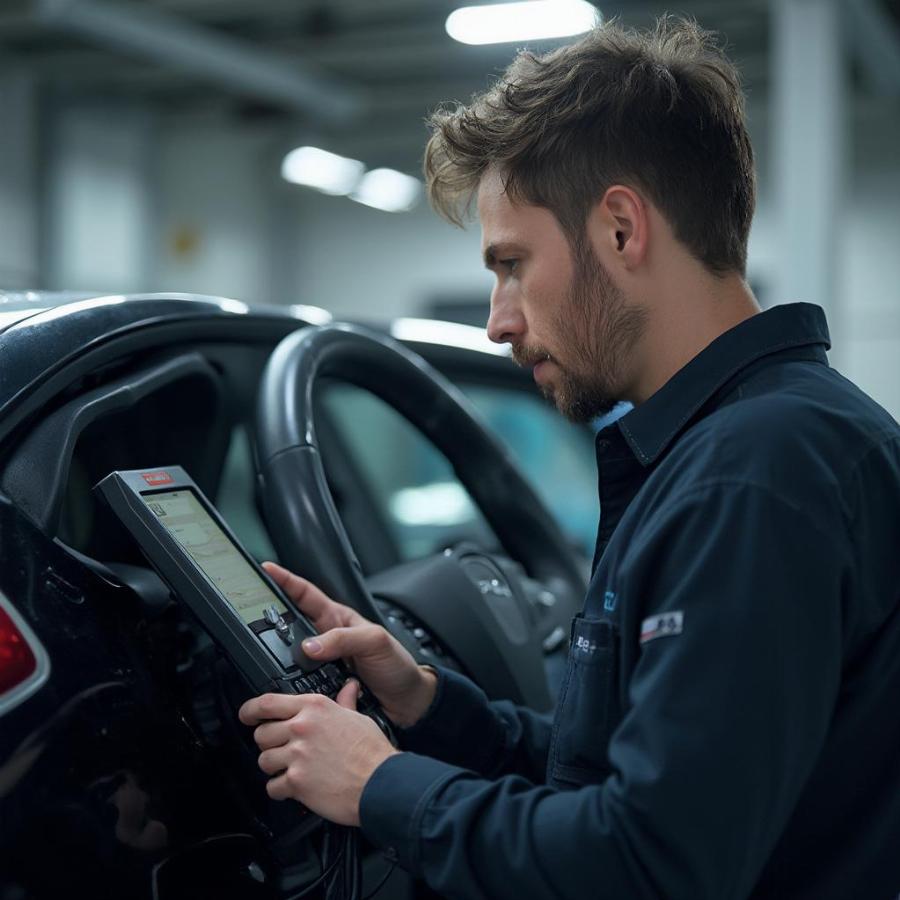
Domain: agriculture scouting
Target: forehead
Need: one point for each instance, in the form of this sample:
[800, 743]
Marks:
[504, 221]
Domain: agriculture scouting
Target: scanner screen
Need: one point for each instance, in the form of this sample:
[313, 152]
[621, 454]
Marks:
[224, 565]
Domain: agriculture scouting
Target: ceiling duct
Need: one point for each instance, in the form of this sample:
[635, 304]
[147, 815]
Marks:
[167, 39]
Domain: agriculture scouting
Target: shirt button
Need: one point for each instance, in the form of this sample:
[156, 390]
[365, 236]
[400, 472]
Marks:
[391, 855]
[602, 446]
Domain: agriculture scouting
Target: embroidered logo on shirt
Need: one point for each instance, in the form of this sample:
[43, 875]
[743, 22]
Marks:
[610, 599]
[664, 625]
[584, 646]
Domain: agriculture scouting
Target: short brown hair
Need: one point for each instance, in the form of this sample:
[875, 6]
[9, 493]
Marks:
[661, 110]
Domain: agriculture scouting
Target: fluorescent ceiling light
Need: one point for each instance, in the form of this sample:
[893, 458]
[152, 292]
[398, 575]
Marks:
[324, 171]
[388, 190]
[529, 21]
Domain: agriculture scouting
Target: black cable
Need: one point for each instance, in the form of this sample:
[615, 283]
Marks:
[345, 868]
[327, 870]
[347, 872]
[358, 873]
[354, 867]
[336, 889]
[318, 881]
[214, 839]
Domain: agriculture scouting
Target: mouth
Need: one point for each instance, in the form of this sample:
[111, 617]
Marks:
[541, 368]
[529, 359]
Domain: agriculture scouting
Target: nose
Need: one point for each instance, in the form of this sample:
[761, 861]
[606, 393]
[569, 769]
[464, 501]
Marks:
[506, 324]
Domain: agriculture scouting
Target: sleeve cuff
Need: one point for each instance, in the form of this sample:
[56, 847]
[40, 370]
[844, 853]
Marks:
[459, 712]
[394, 800]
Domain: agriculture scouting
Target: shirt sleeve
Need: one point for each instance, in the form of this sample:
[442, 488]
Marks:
[492, 738]
[724, 723]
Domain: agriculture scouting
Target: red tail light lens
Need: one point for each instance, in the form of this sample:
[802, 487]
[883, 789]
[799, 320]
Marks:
[17, 660]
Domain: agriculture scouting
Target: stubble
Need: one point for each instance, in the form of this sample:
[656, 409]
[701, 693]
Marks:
[598, 331]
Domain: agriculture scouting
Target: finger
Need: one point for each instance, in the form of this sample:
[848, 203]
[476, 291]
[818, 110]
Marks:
[348, 694]
[268, 707]
[367, 640]
[272, 734]
[274, 762]
[304, 593]
[278, 788]
[314, 603]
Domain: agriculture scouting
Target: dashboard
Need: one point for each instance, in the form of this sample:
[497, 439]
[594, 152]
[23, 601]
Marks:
[137, 705]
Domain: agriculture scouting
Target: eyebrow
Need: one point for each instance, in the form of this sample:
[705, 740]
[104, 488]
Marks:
[493, 251]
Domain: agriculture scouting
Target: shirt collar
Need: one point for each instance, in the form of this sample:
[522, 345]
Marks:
[651, 427]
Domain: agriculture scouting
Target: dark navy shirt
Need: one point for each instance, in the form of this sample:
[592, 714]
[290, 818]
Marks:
[729, 724]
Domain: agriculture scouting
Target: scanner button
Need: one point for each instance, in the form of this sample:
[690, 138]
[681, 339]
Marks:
[280, 650]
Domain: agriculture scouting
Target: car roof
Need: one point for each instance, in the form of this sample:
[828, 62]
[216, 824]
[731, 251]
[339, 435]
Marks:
[42, 332]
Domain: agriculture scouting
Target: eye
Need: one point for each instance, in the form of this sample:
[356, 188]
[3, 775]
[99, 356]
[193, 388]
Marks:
[510, 265]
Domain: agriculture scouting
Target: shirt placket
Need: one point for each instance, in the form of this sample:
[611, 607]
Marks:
[620, 477]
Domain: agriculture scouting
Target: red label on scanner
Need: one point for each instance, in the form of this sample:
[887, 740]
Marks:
[154, 479]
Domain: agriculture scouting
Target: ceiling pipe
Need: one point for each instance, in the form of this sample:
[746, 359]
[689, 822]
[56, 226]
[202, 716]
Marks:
[165, 38]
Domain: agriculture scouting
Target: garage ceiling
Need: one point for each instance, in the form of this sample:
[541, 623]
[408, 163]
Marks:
[361, 74]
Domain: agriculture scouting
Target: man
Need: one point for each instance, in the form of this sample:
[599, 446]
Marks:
[729, 724]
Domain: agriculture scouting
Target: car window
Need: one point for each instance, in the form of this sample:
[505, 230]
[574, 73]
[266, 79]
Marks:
[423, 501]
[424, 504]
[556, 456]
[235, 498]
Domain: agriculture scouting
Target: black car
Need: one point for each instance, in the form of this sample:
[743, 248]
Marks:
[332, 448]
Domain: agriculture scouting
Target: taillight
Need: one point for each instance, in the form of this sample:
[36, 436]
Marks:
[17, 660]
[24, 665]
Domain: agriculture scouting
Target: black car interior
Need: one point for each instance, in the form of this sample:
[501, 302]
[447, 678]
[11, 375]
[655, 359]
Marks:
[251, 428]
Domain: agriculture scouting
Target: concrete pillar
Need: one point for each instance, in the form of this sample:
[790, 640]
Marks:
[18, 182]
[809, 143]
[100, 197]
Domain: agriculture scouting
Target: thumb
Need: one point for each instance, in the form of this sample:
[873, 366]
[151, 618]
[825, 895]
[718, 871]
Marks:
[367, 640]
[348, 694]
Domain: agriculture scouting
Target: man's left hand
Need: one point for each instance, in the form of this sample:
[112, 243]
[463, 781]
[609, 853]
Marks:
[318, 751]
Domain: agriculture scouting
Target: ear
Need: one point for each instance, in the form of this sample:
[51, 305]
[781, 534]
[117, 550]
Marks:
[619, 227]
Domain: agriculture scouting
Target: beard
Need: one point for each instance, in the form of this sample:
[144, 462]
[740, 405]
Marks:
[598, 331]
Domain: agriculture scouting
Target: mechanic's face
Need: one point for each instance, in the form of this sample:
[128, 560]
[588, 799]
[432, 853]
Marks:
[558, 308]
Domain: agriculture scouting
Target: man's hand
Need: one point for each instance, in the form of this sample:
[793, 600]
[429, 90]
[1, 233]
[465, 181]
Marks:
[403, 688]
[317, 751]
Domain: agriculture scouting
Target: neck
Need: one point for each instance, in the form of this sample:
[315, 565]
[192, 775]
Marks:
[684, 320]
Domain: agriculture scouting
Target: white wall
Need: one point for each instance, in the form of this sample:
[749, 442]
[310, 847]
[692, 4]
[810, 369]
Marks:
[203, 210]
[100, 198]
[257, 238]
[868, 326]
[865, 316]
[216, 213]
[18, 182]
[358, 261]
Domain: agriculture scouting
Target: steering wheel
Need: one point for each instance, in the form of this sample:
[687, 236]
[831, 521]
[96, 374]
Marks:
[494, 616]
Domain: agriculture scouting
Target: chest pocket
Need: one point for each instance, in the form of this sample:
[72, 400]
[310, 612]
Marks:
[588, 708]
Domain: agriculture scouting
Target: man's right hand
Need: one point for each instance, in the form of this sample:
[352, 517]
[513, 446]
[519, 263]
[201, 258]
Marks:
[403, 688]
